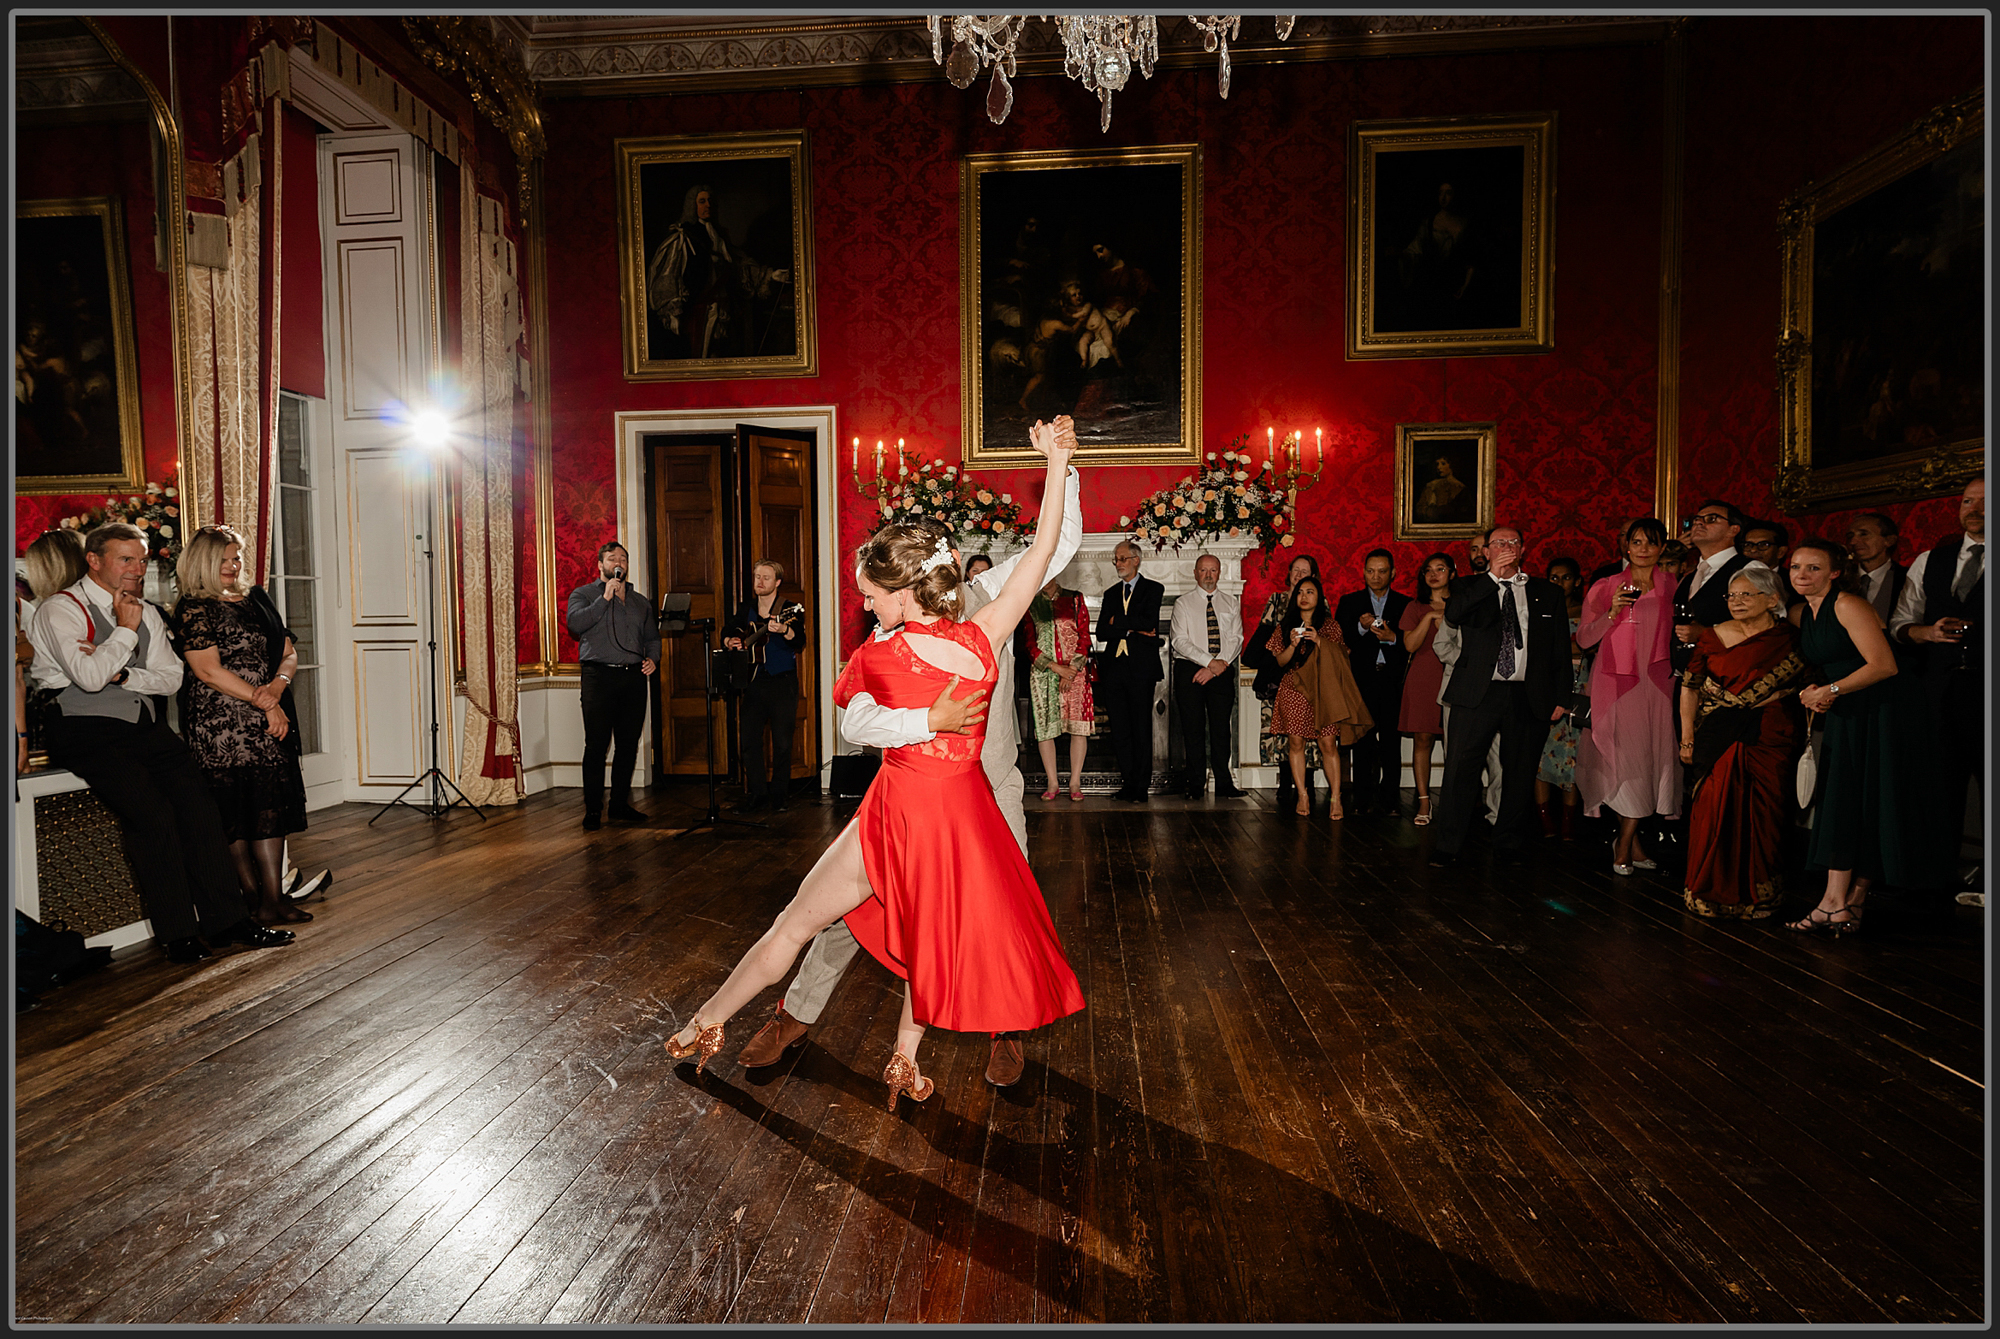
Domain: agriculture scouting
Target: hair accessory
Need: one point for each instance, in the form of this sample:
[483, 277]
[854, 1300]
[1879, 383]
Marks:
[940, 556]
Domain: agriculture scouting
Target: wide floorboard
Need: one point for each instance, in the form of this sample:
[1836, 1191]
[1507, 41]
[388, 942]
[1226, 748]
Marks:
[1316, 1081]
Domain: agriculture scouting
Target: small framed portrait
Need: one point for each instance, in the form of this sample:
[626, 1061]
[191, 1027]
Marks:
[76, 372]
[1451, 225]
[1080, 280]
[1882, 360]
[1444, 479]
[715, 256]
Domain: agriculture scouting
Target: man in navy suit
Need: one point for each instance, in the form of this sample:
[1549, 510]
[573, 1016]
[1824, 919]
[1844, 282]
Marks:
[1368, 619]
[1512, 679]
[1128, 667]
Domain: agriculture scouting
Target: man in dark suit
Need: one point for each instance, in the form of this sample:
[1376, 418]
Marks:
[1712, 533]
[1512, 679]
[1368, 621]
[1871, 538]
[1128, 621]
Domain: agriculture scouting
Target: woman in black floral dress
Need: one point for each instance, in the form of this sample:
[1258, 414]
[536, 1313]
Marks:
[237, 713]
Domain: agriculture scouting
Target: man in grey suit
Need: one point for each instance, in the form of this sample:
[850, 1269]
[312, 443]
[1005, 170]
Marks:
[868, 722]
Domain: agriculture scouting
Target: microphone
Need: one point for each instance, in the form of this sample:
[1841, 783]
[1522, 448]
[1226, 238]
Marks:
[617, 574]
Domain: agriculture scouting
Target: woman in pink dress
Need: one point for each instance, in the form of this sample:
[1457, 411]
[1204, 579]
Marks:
[928, 876]
[1629, 757]
[1422, 715]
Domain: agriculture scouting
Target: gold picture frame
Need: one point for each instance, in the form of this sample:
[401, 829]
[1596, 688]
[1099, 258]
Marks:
[1430, 458]
[1123, 226]
[1895, 409]
[79, 429]
[761, 324]
[1451, 230]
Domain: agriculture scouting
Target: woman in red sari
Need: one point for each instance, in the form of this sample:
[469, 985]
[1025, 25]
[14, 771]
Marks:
[928, 875]
[1740, 733]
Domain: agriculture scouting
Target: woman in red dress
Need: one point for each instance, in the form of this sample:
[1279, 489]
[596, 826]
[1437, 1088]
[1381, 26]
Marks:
[1740, 737]
[928, 876]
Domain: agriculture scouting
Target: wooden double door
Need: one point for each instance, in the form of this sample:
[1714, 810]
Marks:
[719, 503]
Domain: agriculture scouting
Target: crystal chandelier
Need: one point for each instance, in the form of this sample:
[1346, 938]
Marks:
[1099, 50]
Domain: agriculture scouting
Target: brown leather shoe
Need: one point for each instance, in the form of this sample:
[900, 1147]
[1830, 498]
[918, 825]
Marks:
[772, 1040]
[1004, 1065]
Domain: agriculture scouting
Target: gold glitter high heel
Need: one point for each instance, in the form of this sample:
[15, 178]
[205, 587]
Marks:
[902, 1077]
[706, 1043]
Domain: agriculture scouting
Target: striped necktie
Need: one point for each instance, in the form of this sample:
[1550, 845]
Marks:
[1214, 631]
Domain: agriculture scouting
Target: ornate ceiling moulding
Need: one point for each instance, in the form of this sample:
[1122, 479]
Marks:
[628, 58]
[484, 59]
[60, 71]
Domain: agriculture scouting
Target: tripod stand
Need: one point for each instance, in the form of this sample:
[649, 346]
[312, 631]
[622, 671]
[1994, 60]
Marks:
[671, 627]
[432, 776]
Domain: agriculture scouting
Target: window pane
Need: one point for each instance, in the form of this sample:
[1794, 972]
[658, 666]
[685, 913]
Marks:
[292, 463]
[295, 531]
[298, 596]
[305, 698]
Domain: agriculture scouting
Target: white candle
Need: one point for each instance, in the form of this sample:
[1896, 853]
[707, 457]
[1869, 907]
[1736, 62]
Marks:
[1319, 451]
[856, 466]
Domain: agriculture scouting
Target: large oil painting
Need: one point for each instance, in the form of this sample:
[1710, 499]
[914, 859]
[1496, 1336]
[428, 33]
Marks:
[1883, 358]
[76, 373]
[1451, 224]
[715, 256]
[1081, 277]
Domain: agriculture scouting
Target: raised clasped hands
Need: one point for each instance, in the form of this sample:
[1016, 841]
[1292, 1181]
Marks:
[954, 715]
[1055, 440]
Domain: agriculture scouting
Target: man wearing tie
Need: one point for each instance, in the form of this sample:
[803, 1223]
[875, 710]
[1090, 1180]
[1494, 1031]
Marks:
[1939, 614]
[1129, 665]
[1205, 634]
[1368, 619]
[1871, 538]
[1712, 533]
[1512, 679]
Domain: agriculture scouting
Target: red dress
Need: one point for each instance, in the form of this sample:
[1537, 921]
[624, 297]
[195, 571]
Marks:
[955, 912]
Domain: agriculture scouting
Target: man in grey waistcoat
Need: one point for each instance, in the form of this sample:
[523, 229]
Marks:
[867, 722]
[104, 651]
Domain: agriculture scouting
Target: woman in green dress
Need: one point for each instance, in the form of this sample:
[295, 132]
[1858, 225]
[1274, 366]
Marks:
[1877, 794]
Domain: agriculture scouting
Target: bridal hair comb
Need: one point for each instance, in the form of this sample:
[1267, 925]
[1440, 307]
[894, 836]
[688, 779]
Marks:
[940, 557]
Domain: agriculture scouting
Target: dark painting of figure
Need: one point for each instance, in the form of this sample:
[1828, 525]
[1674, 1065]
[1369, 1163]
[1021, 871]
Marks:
[1444, 481]
[1899, 293]
[1080, 301]
[1447, 239]
[66, 348]
[717, 246]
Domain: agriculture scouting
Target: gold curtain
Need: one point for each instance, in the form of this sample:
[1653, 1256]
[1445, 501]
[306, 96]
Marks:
[489, 763]
[223, 465]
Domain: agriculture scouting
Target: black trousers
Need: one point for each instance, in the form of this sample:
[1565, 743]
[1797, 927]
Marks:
[1958, 701]
[614, 711]
[147, 776]
[1503, 711]
[771, 702]
[1205, 711]
[1376, 770]
[1129, 703]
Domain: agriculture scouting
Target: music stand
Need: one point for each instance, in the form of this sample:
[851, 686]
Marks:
[674, 622]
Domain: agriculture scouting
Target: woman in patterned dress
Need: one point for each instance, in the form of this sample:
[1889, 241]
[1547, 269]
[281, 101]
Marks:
[1422, 716]
[1271, 745]
[1317, 698]
[1057, 633]
[928, 875]
[237, 713]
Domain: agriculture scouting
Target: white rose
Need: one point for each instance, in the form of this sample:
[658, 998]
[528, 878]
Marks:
[166, 532]
[1286, 541]
[1006, 497]
[1241, 475]
[1211, 455]
[1124, 521]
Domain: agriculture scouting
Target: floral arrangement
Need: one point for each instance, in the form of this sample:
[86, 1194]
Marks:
[157, 512]
[932, 490]
[1225, 501]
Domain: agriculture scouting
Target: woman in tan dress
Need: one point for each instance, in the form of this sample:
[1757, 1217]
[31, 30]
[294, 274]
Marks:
[1318, 698]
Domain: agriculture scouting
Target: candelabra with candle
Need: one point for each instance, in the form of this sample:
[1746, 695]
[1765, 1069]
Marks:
[921, 489]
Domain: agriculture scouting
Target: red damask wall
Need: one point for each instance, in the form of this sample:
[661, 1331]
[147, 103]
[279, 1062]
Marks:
[1575, 426]
[1774, 104]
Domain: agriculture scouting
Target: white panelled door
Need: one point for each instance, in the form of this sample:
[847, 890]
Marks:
[380, 335]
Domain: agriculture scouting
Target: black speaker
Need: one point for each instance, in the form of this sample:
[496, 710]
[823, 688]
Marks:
[852, 773]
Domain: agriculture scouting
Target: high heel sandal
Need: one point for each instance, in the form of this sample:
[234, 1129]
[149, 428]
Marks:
[1423, 817]
[1048, 795]
[1811, 926]
[903, 1079]
[1842, 929]
[706, 1043]
[1076, 790]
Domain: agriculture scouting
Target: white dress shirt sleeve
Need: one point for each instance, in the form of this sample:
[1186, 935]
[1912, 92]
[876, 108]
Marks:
[59, 626]
[1910, 604]
[1229, 617]
[867, 722]
[1190, 612]
[163, 670]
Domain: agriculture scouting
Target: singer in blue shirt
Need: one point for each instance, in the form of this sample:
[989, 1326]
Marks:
[618, 645]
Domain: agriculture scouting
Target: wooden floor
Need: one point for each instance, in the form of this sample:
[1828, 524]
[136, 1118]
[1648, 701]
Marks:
[1316, 1081]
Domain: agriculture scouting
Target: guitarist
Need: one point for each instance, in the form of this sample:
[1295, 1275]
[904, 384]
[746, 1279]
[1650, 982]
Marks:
[768, 627]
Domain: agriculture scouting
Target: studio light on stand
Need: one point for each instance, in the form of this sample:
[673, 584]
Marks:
[431, 434]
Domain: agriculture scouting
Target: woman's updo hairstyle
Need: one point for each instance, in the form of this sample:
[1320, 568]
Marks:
[895, 558]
